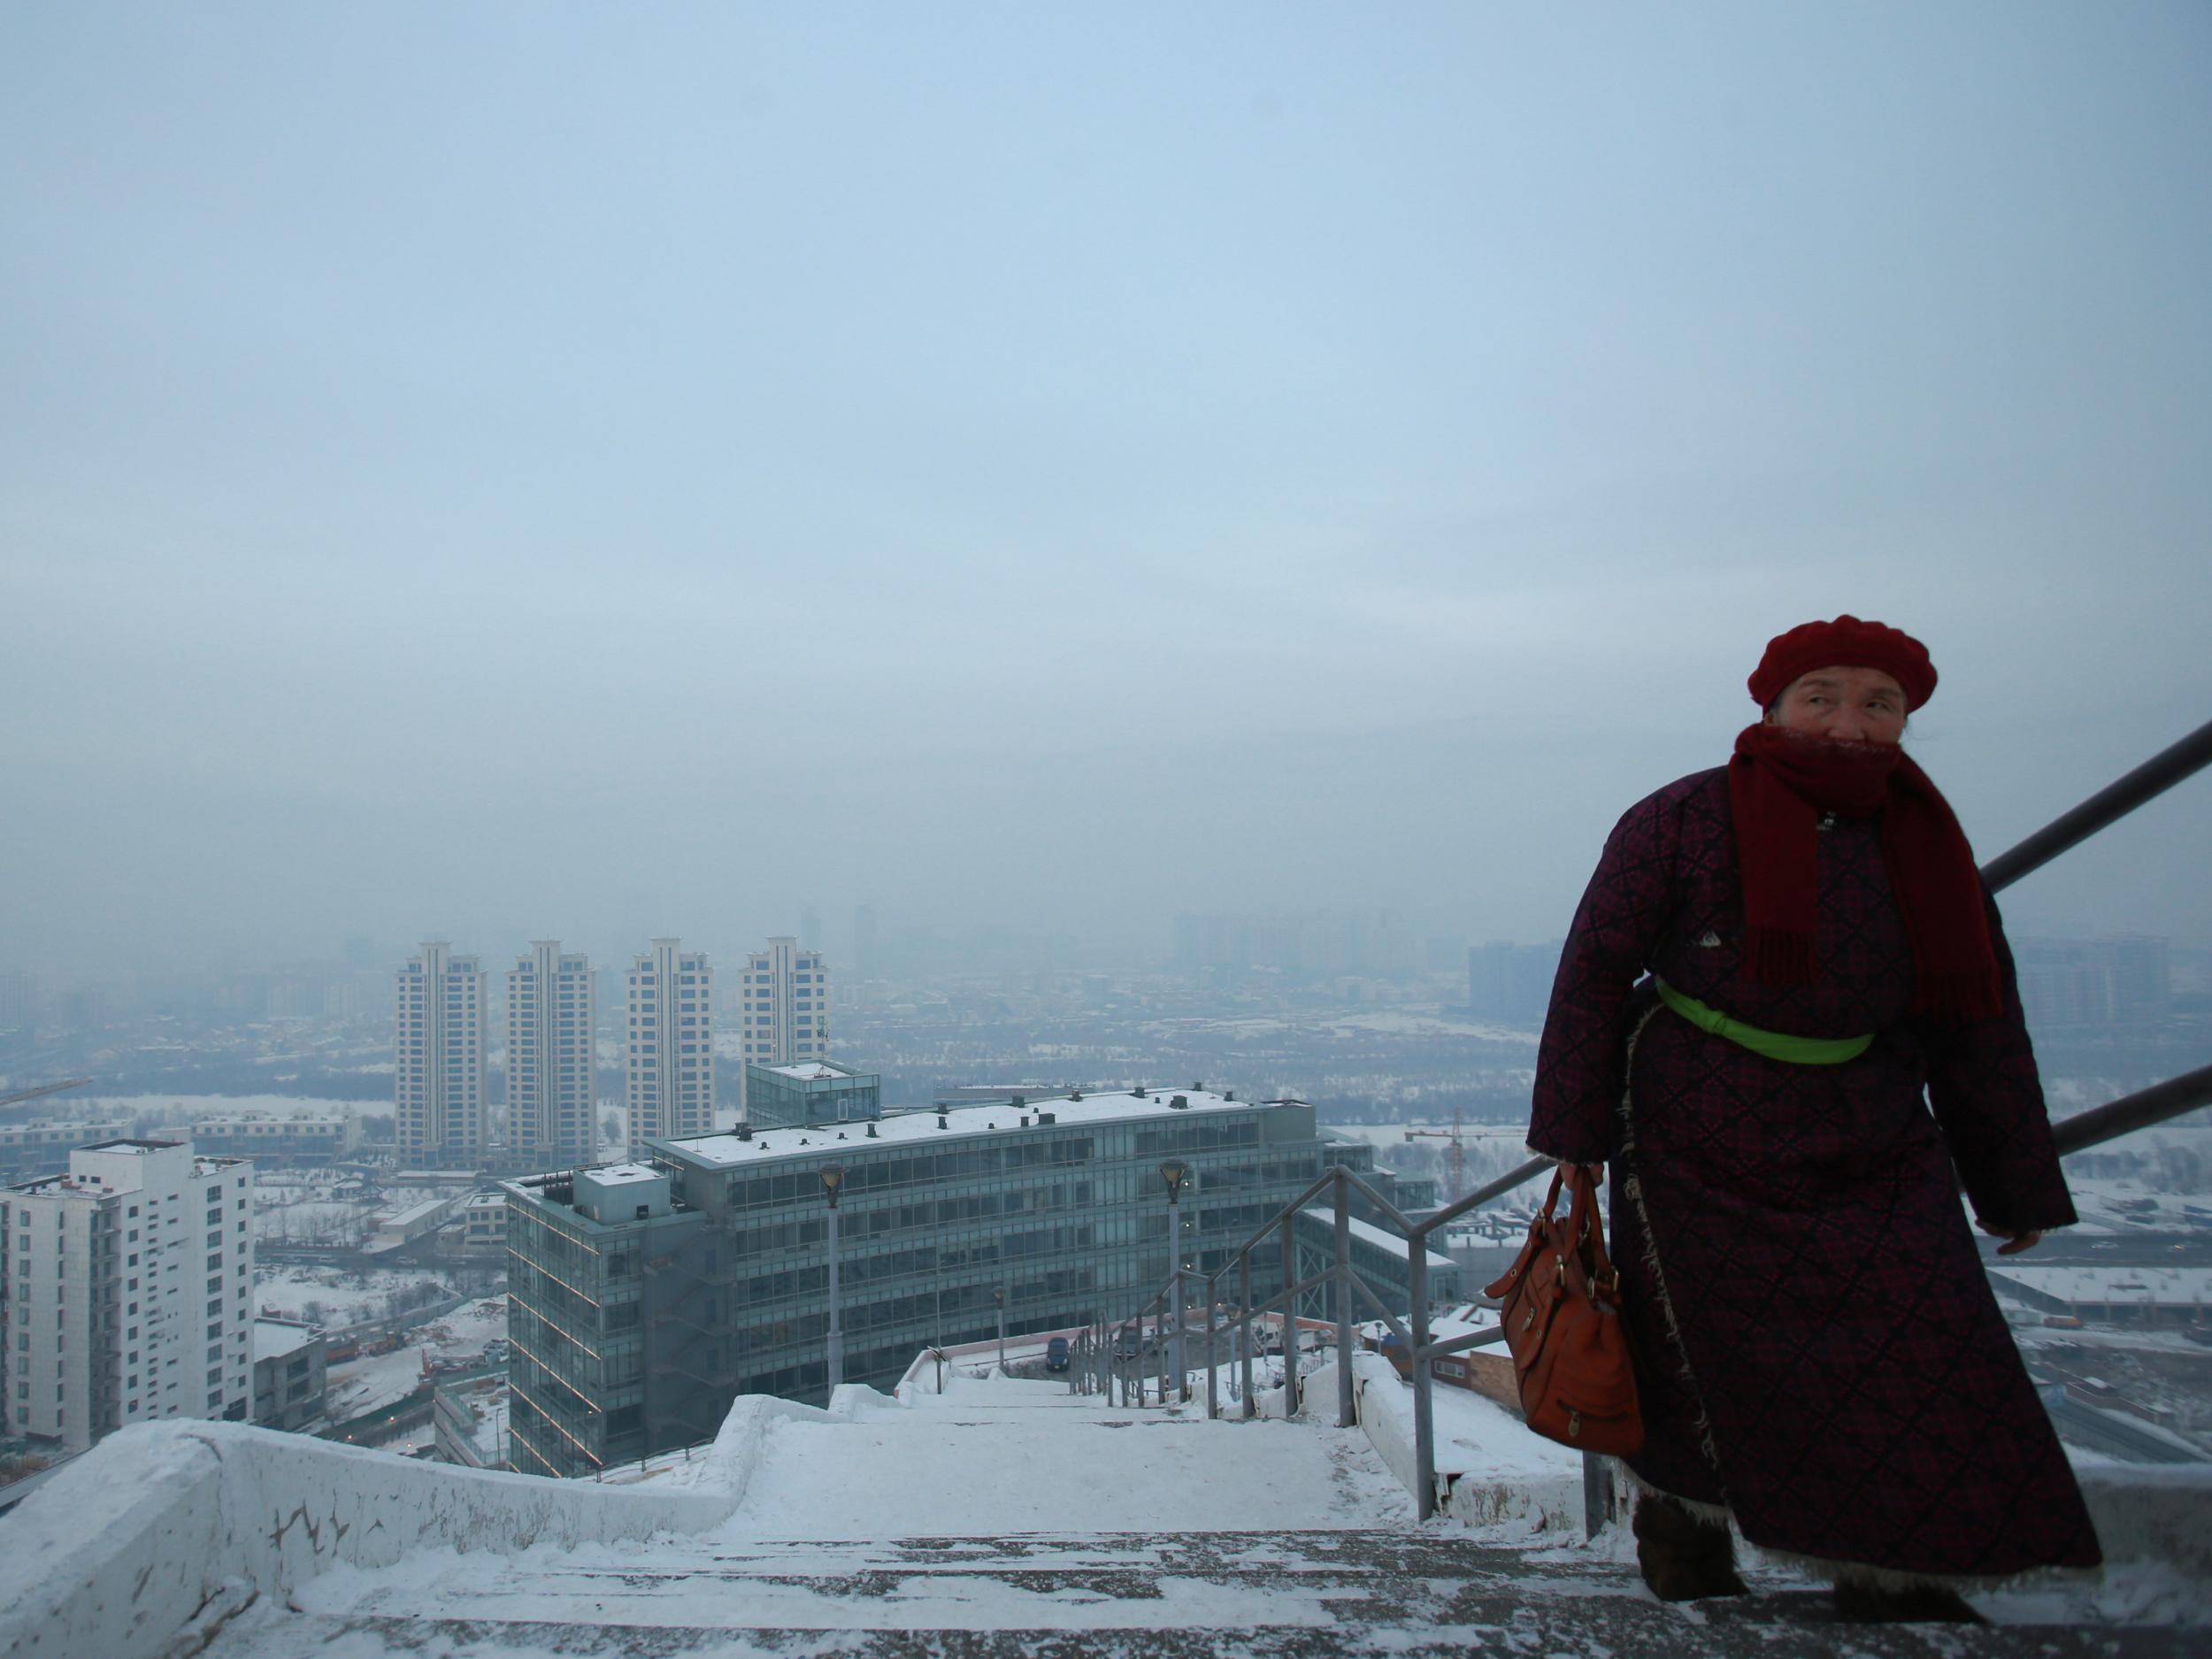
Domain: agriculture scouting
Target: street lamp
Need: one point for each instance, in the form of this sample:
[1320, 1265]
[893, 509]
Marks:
[1175, 1172]
[833, 1188]
[998, 1301]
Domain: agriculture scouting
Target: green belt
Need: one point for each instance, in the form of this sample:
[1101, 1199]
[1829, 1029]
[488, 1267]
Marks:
[1774, 1045]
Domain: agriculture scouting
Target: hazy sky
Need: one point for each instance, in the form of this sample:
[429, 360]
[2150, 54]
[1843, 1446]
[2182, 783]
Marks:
[554, 469]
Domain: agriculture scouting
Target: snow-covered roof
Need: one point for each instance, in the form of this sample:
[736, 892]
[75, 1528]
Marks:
[623, 1174]
[811, 1072]
[1381, 1237]
[273, 1338]
[723, 1150]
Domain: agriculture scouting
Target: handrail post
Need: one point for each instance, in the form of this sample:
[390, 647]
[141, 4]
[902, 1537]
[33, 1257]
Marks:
[1424, 1418]
[1213, 1354]
[1290, 1320]
[1244, 1327]
[1346, 1413]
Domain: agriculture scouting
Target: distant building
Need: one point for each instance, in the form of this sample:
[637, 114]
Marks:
[551, 1060]
[786, 1004]
[1511, 984]
[314, 1134]
[438, 1060]
[811, 1091]
[290, 1368]
[18, 1000]
[669, 1037]
[644, 1297]
[32, 1149]
[411, 1222]
[2142, 978]
[128, 1284]
[2127, 980]
[484, 1224]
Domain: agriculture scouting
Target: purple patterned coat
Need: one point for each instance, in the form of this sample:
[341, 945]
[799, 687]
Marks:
[1838, 1372]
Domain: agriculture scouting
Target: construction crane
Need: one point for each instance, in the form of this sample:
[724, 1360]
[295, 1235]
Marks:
[1455, 1159]
[21, 1095]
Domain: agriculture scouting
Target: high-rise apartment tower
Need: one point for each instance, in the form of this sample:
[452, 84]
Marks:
[550, 1055]
[785, 1005]
[130, 1284]
[671, 1042]
[438, 1060]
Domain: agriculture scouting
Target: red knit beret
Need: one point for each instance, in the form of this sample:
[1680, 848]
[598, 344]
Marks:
[1847, 643]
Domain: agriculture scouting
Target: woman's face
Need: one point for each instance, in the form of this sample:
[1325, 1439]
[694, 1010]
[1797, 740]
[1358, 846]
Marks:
[1844, 706]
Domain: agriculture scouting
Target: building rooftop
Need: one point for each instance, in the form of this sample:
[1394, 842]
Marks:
[413, 1212]
[1381, 1238]
[273, 1338]
[813, 1071]
[618, 1174]
[724, 1150]
[139, 1148]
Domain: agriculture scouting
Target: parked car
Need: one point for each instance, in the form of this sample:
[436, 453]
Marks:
[1126, 1342]
[1056, 1354]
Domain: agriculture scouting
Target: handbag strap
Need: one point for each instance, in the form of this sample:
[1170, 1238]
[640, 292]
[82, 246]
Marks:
[1583, 1262]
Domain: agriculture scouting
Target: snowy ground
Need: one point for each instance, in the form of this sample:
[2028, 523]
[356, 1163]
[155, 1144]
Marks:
[346, 1298]
[302, 1215]
[361, 1385]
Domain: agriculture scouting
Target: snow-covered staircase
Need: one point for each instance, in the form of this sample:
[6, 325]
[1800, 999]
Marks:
[1001, 1518]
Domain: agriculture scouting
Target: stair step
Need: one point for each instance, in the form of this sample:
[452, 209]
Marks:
[1508, 1627]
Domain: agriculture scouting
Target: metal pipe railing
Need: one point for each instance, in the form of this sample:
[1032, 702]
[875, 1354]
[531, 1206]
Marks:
[2160, 772]
[2158, 1103]
[2139, 1111]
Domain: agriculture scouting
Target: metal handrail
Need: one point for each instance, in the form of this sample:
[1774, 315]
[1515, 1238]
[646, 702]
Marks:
[2160, 772]
[2158, 1103]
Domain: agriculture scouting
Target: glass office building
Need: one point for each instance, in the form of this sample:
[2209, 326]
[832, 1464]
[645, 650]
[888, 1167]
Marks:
[811, 1091]
[644, 1299]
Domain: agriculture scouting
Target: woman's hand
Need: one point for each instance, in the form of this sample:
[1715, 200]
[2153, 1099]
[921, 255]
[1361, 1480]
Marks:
[2015, 1242]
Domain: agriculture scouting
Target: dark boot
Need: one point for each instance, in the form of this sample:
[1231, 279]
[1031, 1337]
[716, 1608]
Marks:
[1684, 1559]
[1858, 1602]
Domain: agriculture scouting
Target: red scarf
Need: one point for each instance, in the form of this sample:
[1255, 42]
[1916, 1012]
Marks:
[1780, 782]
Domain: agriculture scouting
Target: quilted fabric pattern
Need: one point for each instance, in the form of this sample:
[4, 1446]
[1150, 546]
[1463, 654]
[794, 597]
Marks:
[1835, 1369]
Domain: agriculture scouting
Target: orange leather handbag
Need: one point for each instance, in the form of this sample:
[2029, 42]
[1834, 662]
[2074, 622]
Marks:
[1562, 1326]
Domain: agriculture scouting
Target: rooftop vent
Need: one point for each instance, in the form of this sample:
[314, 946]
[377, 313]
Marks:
[1047, 1117]
[1180, 1103]
[1019, 1101]
[942, 1124]
[1024, 1122]
[1138, 1091]
[1199, 1087]
[871, 1131]
[1075, 1094]
[1229, 1094]
[744, 1131]
[841, 1134]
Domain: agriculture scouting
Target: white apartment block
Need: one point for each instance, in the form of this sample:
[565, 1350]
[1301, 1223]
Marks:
[550, 1055]
[785, 1005]
[129, 1286]
[671, 1044]
[438, 1060]
[784, 1009]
